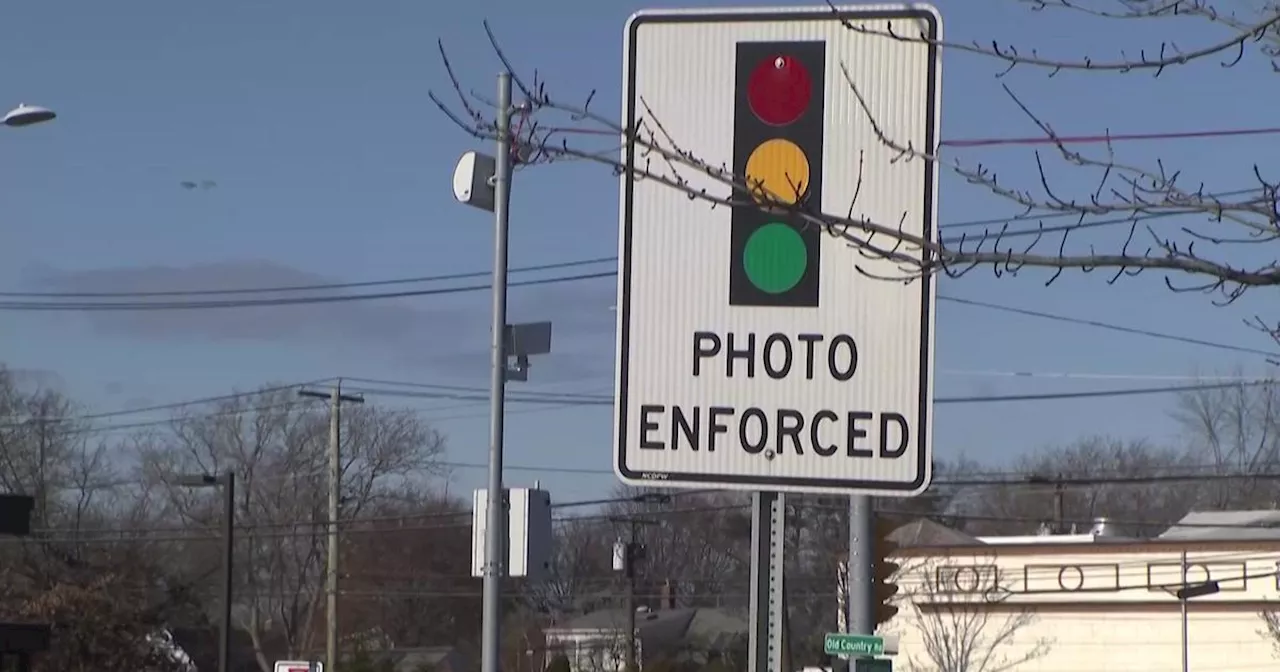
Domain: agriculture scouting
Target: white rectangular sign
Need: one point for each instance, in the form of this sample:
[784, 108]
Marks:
[756, 352]
[298, 666]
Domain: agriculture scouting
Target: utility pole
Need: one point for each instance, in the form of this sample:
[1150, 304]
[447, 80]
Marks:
[1059, 508]
[1182, 599]
[496, 514]
[632, 553]
[228, 557]
[335, 397]
[1059, 525]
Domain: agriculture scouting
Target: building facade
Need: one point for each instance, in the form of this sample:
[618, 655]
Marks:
[1088, 602]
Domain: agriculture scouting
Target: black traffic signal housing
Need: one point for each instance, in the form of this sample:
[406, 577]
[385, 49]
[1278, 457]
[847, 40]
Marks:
[883, 570]
[777, 150]
[15, 514]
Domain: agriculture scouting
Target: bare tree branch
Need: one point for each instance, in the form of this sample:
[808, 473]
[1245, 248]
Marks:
[555, 128]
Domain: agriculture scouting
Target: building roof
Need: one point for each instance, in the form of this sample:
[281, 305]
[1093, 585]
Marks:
[925, 532]
[433, 657]
[1225, 526]
[712, 628]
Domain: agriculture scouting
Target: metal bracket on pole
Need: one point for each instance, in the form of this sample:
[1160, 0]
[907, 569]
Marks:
[768, 527]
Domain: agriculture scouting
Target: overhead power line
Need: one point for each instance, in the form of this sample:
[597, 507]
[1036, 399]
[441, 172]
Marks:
[974, 223]
[586, 400]
[342, 298]
[438, 521]
[88, 306]
[251, 303]
[312, 287]
[1110, 137]
[1108, 326]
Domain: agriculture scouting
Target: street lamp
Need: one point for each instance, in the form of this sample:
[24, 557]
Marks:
[227, 481]
[27, 115]
[1185, 591]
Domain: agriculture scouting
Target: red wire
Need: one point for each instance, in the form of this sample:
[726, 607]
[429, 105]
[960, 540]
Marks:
[1121, 137]
[1046, 140]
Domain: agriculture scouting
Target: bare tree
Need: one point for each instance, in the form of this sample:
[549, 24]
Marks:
[698, 541]
[963, 630]
[557, 126]
[1271, 629]
[407, 571]
[581, 571]
[87, 566]
[277, 445]
[1233, 430]
[1087, 478]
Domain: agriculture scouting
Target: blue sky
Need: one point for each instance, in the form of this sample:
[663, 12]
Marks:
[331, 164]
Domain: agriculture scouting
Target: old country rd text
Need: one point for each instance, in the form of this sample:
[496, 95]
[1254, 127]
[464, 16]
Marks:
[831, 432]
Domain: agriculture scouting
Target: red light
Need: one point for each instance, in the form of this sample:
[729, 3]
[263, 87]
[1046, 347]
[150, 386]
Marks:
[779, 90]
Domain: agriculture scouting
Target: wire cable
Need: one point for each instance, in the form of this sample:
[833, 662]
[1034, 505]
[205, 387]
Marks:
[1022, 217]
[1023, 481]
[293, 301]
[311, 287]
[554, 402]
[226, 304]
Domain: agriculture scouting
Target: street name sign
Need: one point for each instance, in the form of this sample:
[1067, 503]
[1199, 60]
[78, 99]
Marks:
[298, 666]
[757, 351]
[842, 644]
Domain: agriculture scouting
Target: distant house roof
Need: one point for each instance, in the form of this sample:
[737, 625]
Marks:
[925, 532]
[443, 658]
[712, 628]
[1226, 525]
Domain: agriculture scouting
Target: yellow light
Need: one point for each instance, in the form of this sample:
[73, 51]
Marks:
[778, 171]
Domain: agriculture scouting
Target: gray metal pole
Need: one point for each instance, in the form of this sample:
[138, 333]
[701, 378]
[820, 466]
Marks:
[1186, 658]
[766, 608]
[331, 575]
[861, 594]
[228, 555]
[496, 513]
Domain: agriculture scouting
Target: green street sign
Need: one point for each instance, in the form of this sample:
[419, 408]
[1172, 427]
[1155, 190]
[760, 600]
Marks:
[872, 665]
[841, 644]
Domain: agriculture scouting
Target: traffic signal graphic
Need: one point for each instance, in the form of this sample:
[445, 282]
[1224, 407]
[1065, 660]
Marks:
[777, 146]
[883, 570]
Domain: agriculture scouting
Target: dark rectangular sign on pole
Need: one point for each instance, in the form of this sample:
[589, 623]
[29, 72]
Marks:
[15, 514]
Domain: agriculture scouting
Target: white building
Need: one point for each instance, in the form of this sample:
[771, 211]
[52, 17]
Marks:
[1093, 601]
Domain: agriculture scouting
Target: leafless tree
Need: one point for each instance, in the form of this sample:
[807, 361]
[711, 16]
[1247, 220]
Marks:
[1208, 248]
[406, 571]
[1271, 629]
[581, 571]
[1087, 478]
[1233, 429]
[965, 631]
[87, 565]
[277, 445]
[697, 541]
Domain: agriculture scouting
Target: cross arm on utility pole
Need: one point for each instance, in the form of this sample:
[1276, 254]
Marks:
[200, 480]
[342, 396]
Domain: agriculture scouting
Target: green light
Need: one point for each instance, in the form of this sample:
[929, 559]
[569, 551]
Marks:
[775, 258]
